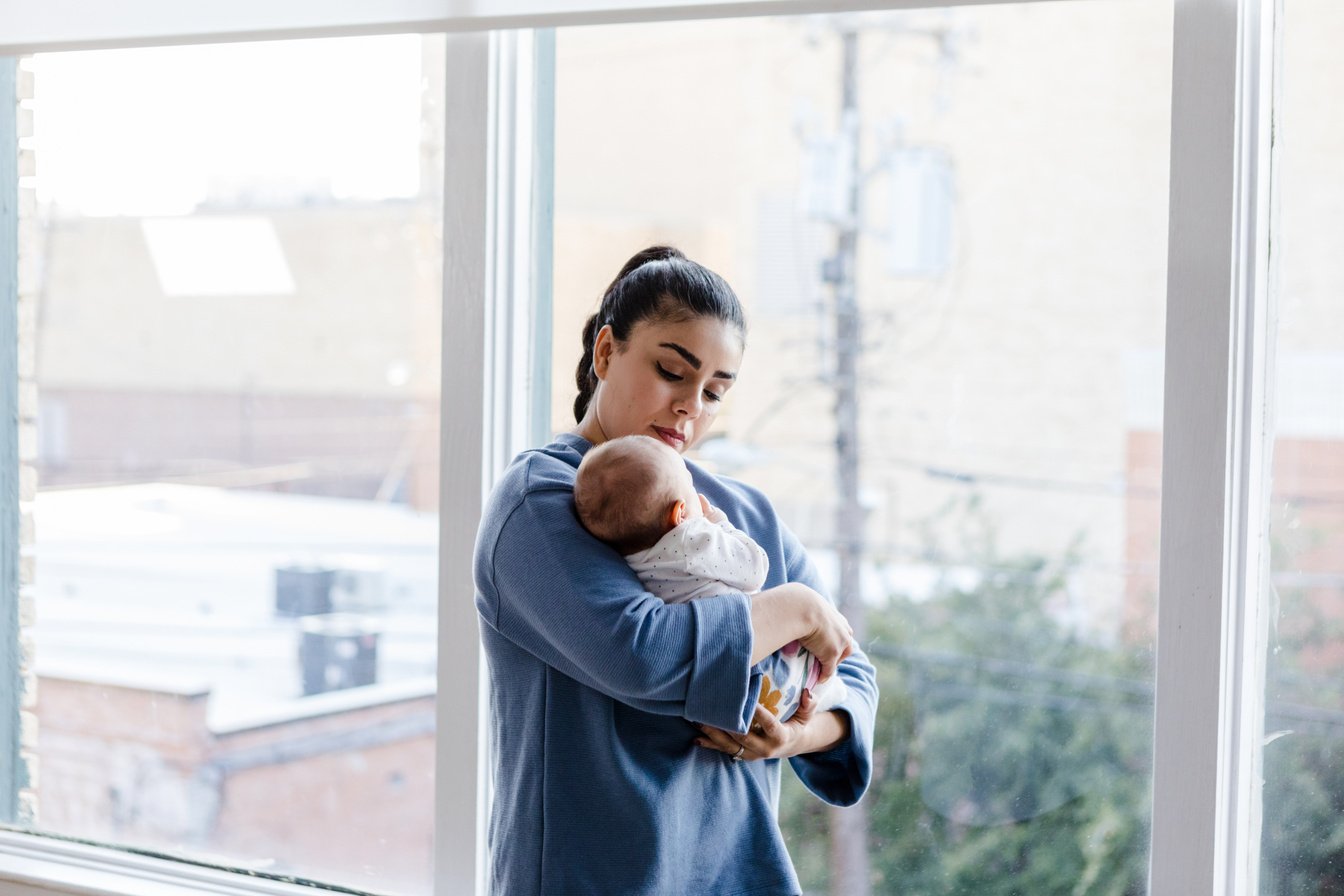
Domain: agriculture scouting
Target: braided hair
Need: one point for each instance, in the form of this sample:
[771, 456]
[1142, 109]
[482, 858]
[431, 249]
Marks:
[658, 283]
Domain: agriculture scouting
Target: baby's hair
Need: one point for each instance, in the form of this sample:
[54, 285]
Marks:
[622, 492]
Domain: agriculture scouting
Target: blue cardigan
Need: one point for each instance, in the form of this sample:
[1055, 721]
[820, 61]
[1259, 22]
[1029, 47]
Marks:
[598, 786]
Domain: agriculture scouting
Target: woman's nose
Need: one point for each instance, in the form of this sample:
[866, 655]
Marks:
[689, 405]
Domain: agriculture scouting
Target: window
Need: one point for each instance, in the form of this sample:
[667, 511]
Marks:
[1304, 725]
[1009, 295]
[1206, 684]
[236, 543]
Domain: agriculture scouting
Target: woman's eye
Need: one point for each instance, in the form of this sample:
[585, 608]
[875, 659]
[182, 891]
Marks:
[666, 374]
[712, 396]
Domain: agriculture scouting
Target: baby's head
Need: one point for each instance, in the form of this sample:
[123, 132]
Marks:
[632, 491]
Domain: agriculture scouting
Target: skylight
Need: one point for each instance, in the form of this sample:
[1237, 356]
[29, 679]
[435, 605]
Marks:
[237, 255]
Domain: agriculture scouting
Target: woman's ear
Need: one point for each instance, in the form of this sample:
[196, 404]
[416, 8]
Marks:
[604, 343]
[677, 515]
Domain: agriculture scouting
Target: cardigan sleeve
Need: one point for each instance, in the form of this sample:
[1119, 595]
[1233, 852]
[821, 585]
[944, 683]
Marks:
[841, 775]
[551, 588]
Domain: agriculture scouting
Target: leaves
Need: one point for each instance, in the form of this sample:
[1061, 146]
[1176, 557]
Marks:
[1012, 755]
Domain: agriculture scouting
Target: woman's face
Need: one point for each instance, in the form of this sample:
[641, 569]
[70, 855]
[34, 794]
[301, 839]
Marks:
[667, 380]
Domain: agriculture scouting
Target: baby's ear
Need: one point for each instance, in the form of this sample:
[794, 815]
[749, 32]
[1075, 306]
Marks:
[677, 515]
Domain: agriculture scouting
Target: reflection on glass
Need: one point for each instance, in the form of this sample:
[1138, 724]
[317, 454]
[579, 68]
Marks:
[1303, 835]
[948, 231]
[237, 527]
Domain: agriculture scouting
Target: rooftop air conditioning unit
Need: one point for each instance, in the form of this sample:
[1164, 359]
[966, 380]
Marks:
[358, 589]
[337, 651]
[303, 590]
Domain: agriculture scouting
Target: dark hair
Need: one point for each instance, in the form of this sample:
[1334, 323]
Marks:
[659, 284]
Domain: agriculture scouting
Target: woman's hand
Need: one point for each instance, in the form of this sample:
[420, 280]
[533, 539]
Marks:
[769, 738]
[831, 639]
[712, 513]
[794, 612]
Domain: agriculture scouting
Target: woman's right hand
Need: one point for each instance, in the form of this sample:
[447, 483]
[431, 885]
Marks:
[795, 612]
[831, 638]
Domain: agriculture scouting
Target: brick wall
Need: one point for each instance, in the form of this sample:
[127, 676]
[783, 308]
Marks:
[1306, 536]
[344, 794]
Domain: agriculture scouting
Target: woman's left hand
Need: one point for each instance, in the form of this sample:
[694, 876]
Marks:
[712, 513]
[768, 737]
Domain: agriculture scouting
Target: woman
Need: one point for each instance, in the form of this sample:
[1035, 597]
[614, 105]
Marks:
[630, 756]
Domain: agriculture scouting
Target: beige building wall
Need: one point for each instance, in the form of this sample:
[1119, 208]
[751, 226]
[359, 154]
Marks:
[364, 288]
[1011, 368]
[152, 369]
[329, 388]
[1311, 207]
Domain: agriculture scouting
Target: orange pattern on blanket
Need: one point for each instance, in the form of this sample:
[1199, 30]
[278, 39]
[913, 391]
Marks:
[769, 696]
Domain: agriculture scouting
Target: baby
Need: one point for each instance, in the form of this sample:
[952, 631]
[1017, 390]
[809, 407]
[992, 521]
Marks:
[636, 494]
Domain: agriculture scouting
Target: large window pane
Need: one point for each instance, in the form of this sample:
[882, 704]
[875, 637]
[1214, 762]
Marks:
[237, 524]
[1303, 834]
[1009, 270]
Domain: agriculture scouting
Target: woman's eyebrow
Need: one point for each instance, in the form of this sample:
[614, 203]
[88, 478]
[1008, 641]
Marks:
[694, 361]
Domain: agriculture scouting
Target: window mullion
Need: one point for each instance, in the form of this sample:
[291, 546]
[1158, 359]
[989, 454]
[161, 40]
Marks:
[459, 783]
[1210, 650]
[541, 228]
[489, 340]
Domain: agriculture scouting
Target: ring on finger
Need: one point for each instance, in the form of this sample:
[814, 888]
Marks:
[741, 748]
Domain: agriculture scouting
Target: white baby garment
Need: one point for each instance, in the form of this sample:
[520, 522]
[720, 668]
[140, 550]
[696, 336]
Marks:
[699, 558]
[702, 557]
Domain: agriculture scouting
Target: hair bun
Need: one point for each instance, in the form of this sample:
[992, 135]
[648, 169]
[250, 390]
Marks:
[643, 257]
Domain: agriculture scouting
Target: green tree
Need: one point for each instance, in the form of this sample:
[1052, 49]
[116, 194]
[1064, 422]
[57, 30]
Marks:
[1012, 755]
[1302, 843]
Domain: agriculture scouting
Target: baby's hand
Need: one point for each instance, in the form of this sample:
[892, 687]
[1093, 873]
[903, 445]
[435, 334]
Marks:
[712, 513]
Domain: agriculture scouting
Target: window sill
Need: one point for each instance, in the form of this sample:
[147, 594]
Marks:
[34, 866]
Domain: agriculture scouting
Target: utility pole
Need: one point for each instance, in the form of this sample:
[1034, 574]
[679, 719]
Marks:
[850, 875]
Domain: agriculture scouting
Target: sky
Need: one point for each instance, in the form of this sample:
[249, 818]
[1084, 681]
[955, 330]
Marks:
[153, 131]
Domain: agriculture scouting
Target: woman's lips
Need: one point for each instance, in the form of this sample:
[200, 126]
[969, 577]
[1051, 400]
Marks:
[671, 437]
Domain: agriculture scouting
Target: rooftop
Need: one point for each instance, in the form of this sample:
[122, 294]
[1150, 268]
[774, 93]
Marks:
[172, 588]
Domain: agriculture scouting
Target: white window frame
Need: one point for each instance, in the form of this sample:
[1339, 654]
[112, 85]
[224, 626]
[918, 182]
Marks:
[1210, 681]
[1210, 666]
